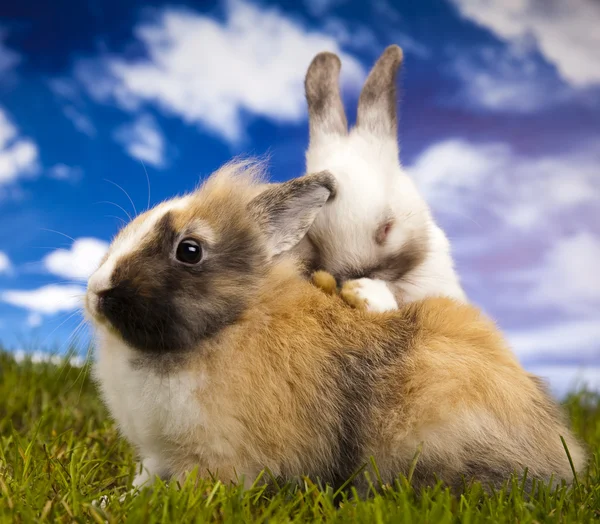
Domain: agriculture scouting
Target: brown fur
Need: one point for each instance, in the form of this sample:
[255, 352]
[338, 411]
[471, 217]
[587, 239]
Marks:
[377, 102]
[393, 267]
[325, 105]
[450, 383]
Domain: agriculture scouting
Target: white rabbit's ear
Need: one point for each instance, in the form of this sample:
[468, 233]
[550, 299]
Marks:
[286, 211]
[377, 102]
[325, 108]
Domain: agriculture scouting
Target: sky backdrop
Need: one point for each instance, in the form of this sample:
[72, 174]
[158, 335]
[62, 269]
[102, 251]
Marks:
[499, 126]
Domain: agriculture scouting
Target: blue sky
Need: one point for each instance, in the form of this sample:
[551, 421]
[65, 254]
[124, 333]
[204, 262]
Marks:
[499, 126]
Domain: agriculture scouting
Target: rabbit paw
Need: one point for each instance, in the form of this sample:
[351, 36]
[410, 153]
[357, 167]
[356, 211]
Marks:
[105, 500]
[325, 281]
[142, 479]
[101, 503]
[369, 295]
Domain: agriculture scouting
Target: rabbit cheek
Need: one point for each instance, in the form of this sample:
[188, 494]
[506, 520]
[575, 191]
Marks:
[393, 266]
[396, 265]
[160, 306]
[146, 319]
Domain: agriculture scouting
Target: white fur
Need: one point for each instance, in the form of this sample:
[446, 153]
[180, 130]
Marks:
[149, 407]
[159, 412]
[376, 293]
[436, 276]
[372, 187]
[127, 242]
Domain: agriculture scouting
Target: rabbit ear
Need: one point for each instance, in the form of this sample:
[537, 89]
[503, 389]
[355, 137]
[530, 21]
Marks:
[377, 102]
[325, 108]
[286, 211]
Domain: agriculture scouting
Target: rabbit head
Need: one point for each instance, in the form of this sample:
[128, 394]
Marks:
[378, 215]
[185, 269]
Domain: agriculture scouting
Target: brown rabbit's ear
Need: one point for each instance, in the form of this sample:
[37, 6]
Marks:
[286, 211]
[325, 108]
[377, 102]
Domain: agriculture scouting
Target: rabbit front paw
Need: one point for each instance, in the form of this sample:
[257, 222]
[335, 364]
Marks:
[369, 295]
[325, 281]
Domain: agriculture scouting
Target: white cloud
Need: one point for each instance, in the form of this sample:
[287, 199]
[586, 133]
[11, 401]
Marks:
[567, 278]
[565, 379]
[46, 300]
[18, 155]
[38, 357]
[351, 35]
[79, 262]
[258, 69]
[524, 193]
[450, 169]
[579, 339]
[65, 88]
[81, 122]
[536, 240]
[504, 80]
[69, 94]
[354, 34]
[64, 172]
[565, 33]
[12, 192]
[386, 11]
[8, 131]
[5, 264]
[143, 140]
[388, 16]
[410, 45]
[34, 320]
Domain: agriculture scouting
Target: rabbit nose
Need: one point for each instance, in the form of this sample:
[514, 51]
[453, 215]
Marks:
[104, 296]
[112, 301]
[110, 296]
[98, 301]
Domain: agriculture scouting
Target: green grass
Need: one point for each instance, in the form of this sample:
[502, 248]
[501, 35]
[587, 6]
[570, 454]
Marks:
[59, 451]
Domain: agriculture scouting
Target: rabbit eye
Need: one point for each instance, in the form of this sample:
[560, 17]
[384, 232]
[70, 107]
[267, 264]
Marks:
[189, 251]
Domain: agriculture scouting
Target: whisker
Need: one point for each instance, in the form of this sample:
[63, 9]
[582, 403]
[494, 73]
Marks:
[126, 194]
[69, 339]
[74, 342]
[79, 330]
[70, 282]
[116, 205]
[57, 232]
[84, 371]
[118, 218]
[57, 327]
[148, 182]
[62, 246]
[463, 215]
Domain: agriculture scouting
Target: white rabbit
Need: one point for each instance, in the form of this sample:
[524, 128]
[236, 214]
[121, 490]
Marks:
[378, 234]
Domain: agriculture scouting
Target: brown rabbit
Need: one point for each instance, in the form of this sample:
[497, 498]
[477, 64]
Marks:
[214, 352]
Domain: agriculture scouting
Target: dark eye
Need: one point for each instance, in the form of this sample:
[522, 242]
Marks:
[189, 251]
